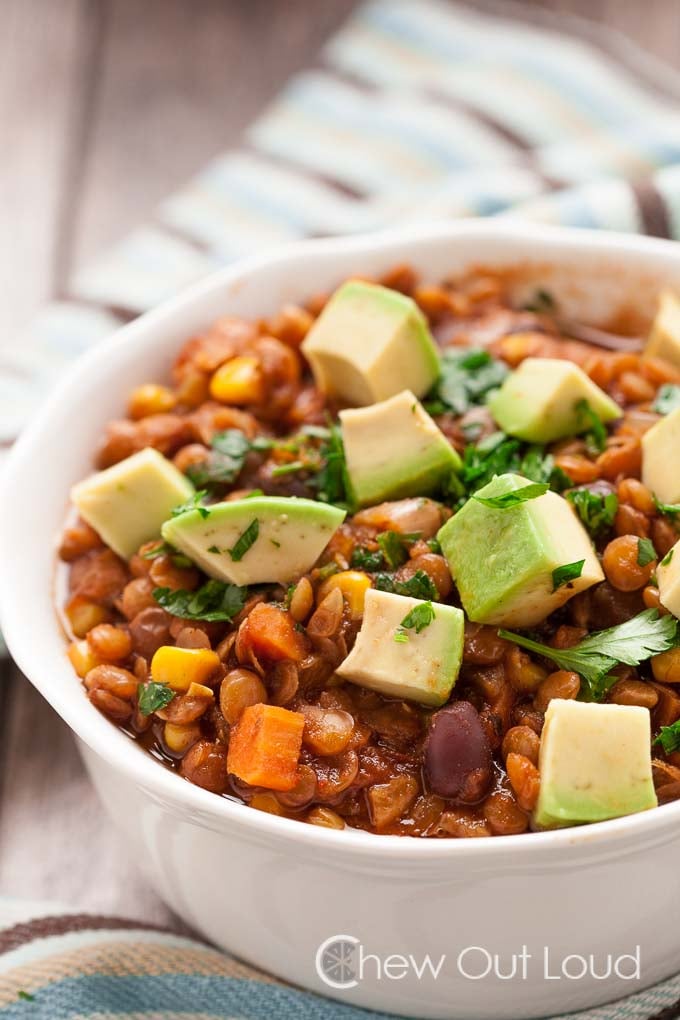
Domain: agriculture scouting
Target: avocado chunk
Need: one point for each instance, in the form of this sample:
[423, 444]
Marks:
[369, 343]
[661, 458]
[396, 659]
[544, 399]
[502, 560]
[595, 763]
[266, 539]
[126, 504]
[394, 449]
[664, 337]
[668, 580]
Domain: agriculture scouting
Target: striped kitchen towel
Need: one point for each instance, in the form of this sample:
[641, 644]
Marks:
[416, 110]
[67, 966]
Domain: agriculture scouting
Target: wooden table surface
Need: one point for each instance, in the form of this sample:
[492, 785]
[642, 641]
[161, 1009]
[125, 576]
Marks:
[105, 107]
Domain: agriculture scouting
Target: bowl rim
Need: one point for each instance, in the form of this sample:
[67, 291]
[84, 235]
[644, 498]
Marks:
[206, 808]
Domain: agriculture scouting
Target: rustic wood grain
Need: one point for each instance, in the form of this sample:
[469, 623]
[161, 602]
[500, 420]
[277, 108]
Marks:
[106, 106]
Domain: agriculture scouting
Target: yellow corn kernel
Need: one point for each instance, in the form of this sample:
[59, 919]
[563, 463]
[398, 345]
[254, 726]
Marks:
[179, 668]
[353, 584]
[83, 659]
[238, 381]
[179, 739]
[83, 615]
[266, 802]
[150, 399]
[199, 691]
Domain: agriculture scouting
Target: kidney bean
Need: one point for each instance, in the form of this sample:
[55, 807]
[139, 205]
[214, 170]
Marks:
[457, 756]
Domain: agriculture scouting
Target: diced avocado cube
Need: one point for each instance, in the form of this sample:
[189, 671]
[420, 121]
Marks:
[400, 661]
[543, 400]
[664, 337]
[267, 539]
[369, 343]
[661, 458]
[668, 580]
[127, 503]
[595, 763]
[502, 560]
[394, 449]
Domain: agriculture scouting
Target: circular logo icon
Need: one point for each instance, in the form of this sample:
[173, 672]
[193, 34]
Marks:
[335, 963]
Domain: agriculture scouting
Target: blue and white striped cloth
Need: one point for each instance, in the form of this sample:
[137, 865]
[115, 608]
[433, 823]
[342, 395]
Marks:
[417, 109]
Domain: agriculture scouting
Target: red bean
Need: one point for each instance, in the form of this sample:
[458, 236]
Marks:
[458, 761]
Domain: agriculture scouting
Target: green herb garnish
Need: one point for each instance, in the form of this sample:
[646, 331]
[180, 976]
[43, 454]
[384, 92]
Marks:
[364, 559]
[420, 586]
[165, 549]
[420, 617]
[332, 481]
[507, 500]
[288, 469]
[466, 378]
[26, 996]
[394, 546]
[596, 436]
[597, 512]
[152, 696]
[669, 737]
[192, 504]
[498, 454]
[667, 558]
[569, 572]
[245, 540]
[667, 509]
[542, 302]
[667, 399]
[213, 601]
[596, 656]
[646, 552]
[224, 463]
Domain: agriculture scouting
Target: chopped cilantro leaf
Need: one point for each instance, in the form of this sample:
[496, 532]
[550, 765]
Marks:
[667, 509]
[569, 572]
[507, 500]
[420, 617]
[596, 436]
[420, 586]
[215, 600]
[597, 511]
[152, 696]
[193, 504]
[394, 546]
[225, 461]
[332, 481]
[541, 302]
[466, 377]
[646, 552]
[667, 558]
[669, 737]
[597, 655]
[245, 541]
[364, 559]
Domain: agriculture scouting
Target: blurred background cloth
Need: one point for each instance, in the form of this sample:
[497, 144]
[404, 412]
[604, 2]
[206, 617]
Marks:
[416, 109]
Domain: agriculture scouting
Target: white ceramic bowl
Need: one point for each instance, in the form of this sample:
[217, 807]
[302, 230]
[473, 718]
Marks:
[272, 890]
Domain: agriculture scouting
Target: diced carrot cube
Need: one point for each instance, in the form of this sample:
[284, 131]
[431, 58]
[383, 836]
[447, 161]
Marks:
[264, 747]
[271, 634]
